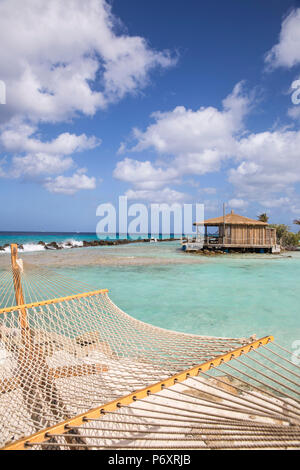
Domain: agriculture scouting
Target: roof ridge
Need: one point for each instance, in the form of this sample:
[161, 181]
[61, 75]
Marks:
[232, 218]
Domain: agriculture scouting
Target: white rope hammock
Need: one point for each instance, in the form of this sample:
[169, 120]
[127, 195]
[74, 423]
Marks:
[76, 372]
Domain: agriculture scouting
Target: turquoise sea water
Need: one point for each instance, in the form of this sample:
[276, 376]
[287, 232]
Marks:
[35, 237]
[30, 239]
[228, 295]
[223, 296]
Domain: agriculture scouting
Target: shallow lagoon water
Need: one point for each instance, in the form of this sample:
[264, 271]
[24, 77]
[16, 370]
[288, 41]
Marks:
[230, 295]
[224, 296]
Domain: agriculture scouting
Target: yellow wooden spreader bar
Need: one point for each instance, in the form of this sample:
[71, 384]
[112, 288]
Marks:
[19, 295]
[65, 426]
[53, 301]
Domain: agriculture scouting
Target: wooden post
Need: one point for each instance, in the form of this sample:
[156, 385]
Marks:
[19, 292]
[43, 378]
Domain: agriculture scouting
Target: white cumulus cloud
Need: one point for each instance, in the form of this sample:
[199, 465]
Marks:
[198, 140]
[191, 142]
[238, 203]
[265, 166]
[59, 58]
[33, 157]
[144, 175]
[286, 53]
[70, 184]
[269, 167]
[166, 195]
[20, 138]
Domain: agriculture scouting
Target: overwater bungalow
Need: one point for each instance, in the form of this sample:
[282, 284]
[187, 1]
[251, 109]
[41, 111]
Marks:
[233, 232]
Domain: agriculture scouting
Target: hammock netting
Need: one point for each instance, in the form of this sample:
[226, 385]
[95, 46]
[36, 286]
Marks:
[76, 372]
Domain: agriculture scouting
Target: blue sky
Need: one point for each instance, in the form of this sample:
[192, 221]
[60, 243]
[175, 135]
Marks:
[161, 101]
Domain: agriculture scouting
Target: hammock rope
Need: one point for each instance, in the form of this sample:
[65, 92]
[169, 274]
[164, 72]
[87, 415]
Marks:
[76, 372]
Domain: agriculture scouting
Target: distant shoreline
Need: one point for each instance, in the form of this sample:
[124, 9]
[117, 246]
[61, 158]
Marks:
[69, 244]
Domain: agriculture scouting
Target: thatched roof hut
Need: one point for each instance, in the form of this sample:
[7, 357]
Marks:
[234, 231]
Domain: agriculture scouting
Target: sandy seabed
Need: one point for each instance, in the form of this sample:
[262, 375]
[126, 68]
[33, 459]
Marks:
[96, 256]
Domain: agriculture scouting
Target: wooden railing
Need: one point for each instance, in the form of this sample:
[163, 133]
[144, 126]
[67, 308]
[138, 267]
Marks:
[266, 241]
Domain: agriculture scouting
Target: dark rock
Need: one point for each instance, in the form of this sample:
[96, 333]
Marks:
[94, 243]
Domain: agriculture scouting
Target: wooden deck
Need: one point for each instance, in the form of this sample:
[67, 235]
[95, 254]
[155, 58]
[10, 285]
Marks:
[196, 245]
[235, 245]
